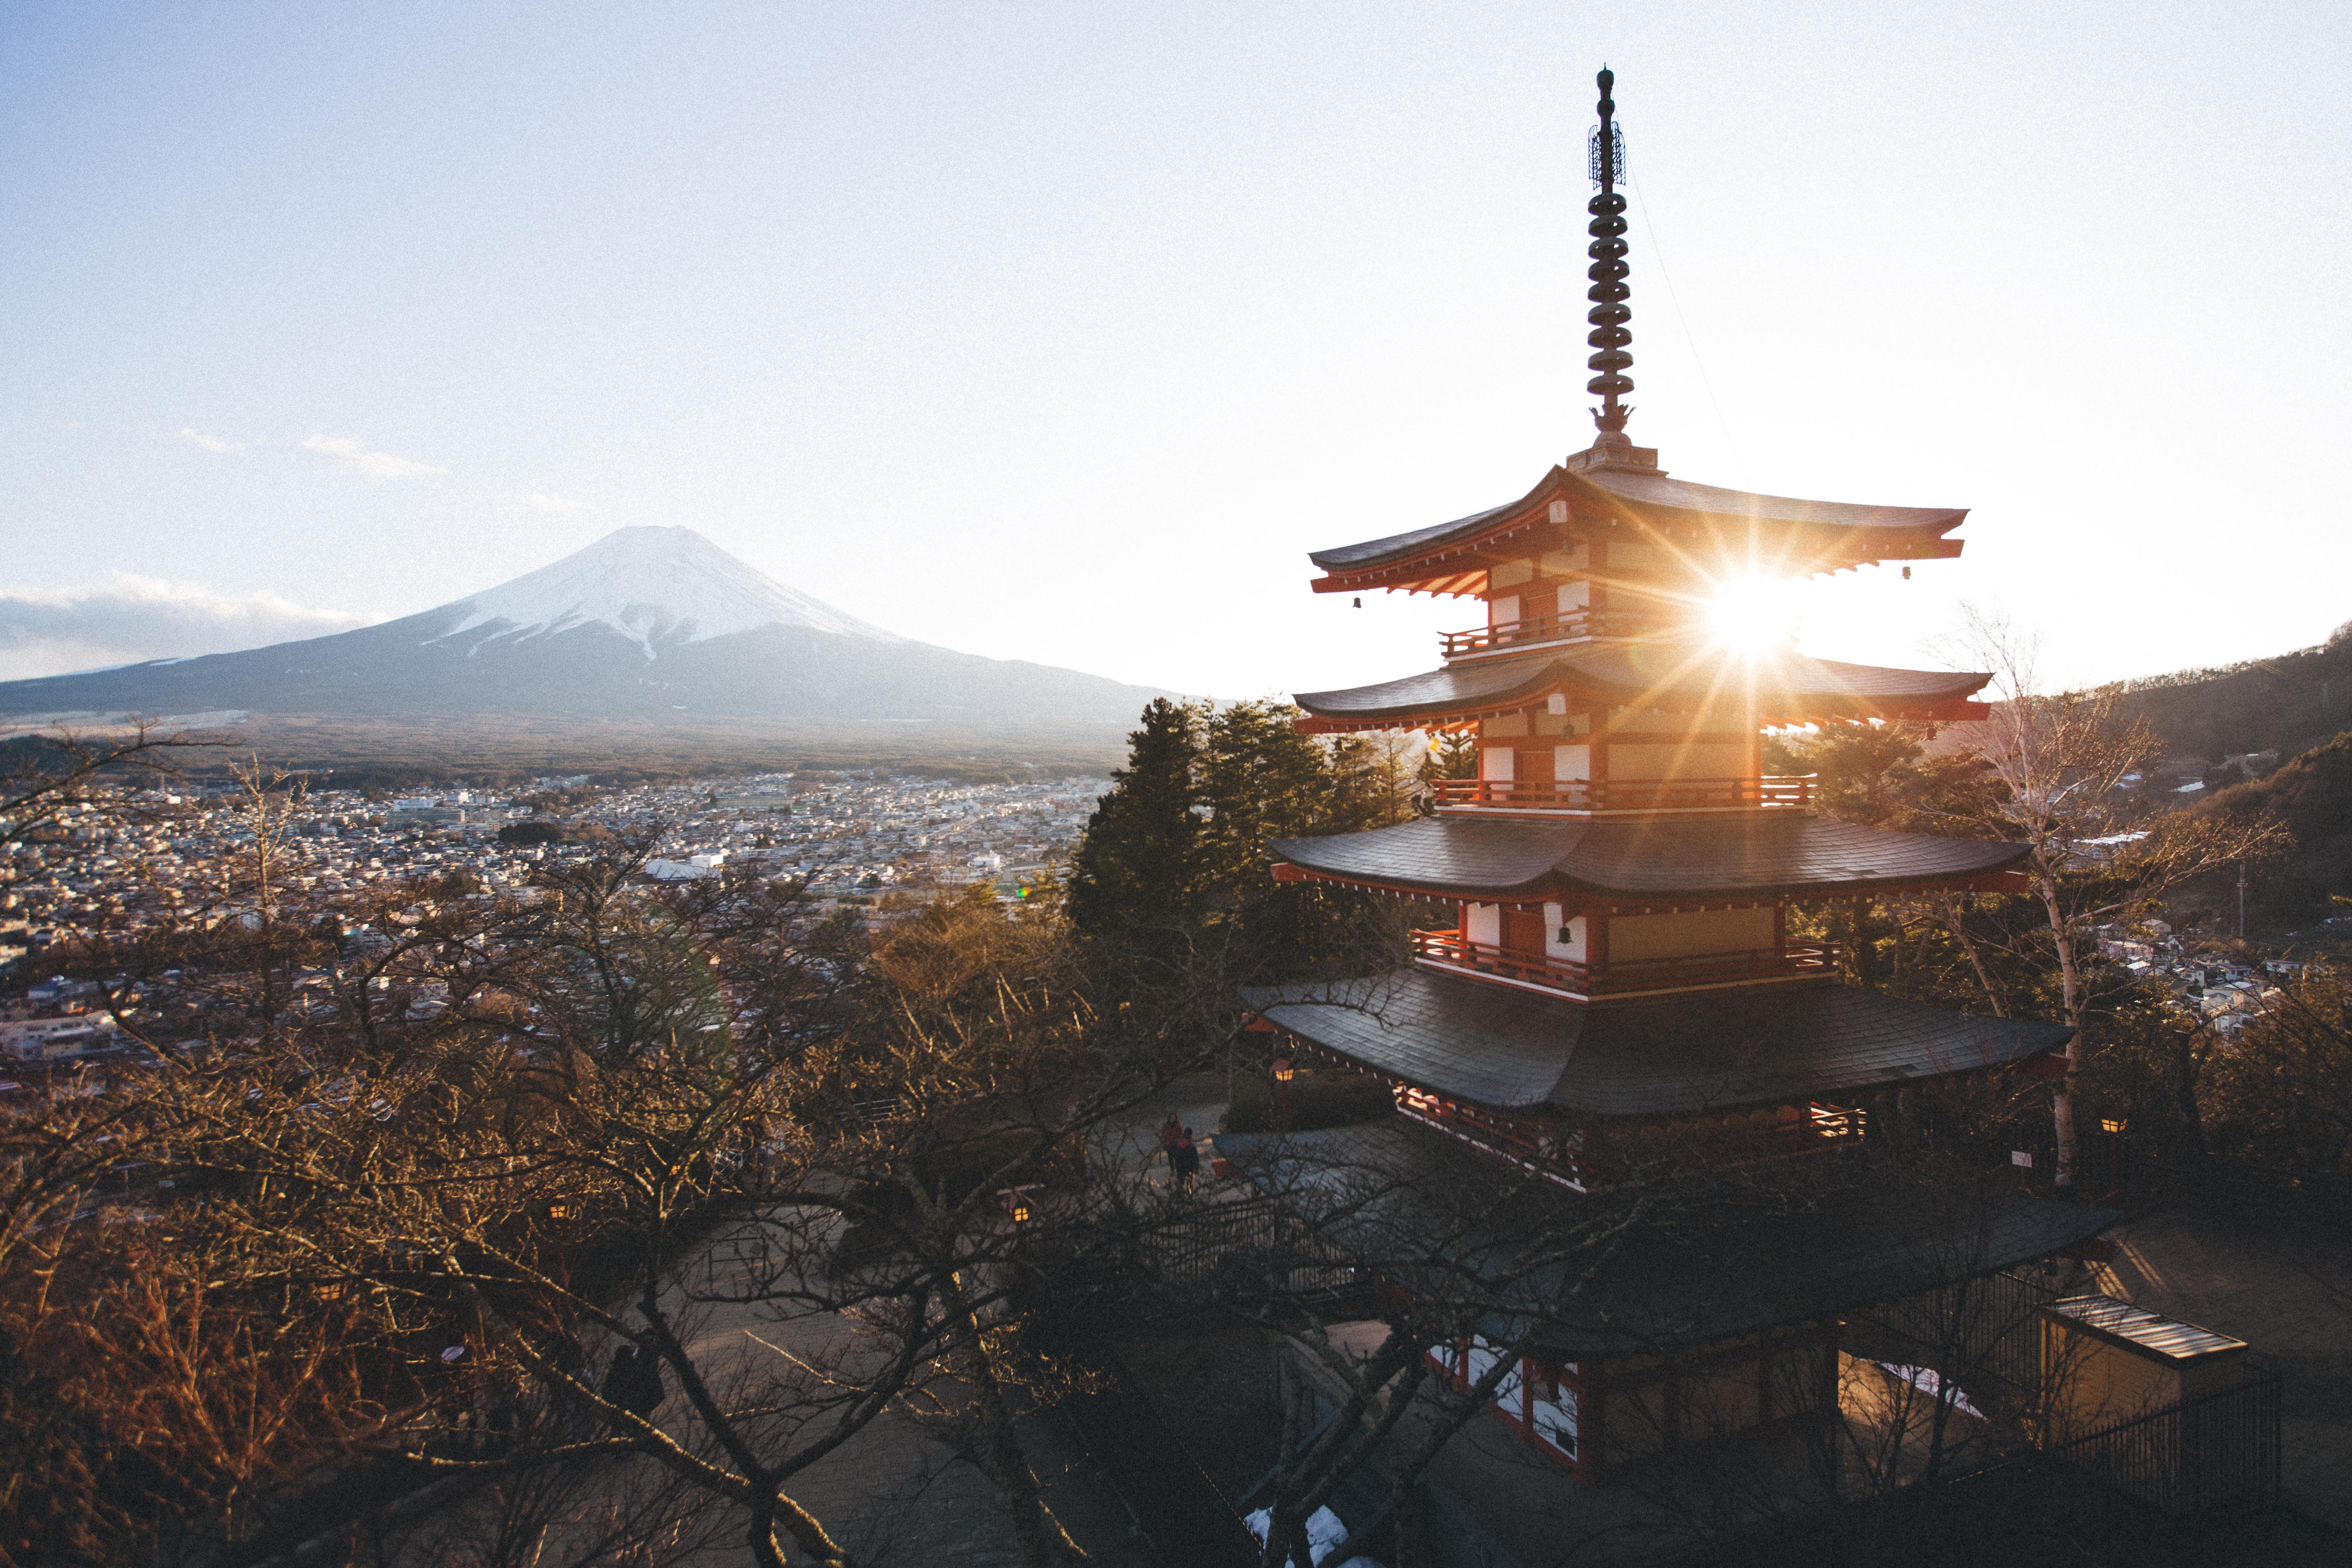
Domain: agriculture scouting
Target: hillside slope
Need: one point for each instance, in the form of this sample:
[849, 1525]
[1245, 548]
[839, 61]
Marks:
[2286, 704]
[2312, 793]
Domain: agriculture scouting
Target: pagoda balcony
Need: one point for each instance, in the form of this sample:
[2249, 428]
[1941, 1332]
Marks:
[1574, 626]
[1451, 950]
[1627, 795]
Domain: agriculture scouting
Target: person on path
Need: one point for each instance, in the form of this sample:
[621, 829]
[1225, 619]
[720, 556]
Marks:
[1183, 1161]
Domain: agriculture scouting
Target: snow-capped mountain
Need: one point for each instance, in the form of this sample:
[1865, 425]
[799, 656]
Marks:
[649, 584]
[646, 623]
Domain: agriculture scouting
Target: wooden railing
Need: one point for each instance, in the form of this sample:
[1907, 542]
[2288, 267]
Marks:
[1543, 628]
[1453, 950]
[1627, 795]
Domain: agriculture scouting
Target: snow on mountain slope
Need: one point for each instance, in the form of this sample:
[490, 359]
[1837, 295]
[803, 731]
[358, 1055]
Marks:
[651, 586]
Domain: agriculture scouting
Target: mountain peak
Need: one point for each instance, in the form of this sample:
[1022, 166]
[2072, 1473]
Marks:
[651, 585]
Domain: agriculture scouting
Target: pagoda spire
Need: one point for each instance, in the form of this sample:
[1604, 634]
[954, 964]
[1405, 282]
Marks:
[1608, 291]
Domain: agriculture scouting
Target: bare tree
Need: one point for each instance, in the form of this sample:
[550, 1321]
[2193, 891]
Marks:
[2096, 849]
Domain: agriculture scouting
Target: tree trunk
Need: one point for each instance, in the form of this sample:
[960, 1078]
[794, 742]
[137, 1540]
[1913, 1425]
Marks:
[2070, 978]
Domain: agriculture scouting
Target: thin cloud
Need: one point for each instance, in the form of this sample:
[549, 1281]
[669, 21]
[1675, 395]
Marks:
[52, 631]
[352, 453]
[198, 439]
[541, 501]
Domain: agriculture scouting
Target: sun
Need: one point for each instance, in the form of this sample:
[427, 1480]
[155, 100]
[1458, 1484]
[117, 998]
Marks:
[1750, 613]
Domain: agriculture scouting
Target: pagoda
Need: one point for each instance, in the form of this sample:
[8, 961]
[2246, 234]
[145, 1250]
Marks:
[1620, 975]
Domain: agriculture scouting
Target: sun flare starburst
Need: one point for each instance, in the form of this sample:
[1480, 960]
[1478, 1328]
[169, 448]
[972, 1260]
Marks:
[1750, 613]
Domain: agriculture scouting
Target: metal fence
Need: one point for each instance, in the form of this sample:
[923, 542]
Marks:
[1250, 1244]
[1979, 1328]
[2200, 1453]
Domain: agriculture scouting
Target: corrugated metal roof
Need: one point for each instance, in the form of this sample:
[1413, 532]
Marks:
[2152, 1332]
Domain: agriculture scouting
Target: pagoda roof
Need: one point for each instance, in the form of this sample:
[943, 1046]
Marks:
[1513, 1049]
[1794, 534]
[1785, 686]
[1852, 1245]
[1655, 859]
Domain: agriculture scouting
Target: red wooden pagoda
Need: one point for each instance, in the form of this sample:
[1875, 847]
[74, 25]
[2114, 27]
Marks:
[1621, 966]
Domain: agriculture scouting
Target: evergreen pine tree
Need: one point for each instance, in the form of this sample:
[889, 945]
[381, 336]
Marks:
[1136, 869]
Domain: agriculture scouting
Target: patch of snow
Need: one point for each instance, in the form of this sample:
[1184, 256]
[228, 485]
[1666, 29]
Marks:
[650, 585]
[2189, 788]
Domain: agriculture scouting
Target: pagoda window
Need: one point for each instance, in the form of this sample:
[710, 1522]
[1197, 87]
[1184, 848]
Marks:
[1511, 574]
[1551, 1406]
[1494, 763]
[1572, 761]
[1575, 596]
[1503, 611]
[1483, 923]
[1509, 1392]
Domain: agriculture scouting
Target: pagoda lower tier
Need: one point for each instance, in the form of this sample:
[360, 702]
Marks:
[1585, 1094]
[1655, 676]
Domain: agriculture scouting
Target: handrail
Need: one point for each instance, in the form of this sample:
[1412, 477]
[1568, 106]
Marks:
[1627, 795]
[1453, 950]
[1543, 628]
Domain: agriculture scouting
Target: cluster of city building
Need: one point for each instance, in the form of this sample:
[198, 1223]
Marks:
[2229, 991]
[851, 835]
[116, 863]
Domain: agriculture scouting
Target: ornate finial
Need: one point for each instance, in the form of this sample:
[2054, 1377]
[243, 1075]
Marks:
[1609, 293]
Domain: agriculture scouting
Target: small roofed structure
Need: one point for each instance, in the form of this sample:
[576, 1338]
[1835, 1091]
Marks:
[2109, 1360]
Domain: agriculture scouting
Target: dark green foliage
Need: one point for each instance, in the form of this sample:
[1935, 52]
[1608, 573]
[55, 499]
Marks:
[2280, 1094]
[2313, 796]
[1175, 858]
[1452, 754]
[1136, 872]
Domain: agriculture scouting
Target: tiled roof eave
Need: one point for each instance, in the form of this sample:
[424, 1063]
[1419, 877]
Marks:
[1553, 887]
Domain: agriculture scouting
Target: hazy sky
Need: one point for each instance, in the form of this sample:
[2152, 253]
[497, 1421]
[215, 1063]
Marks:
[1063, 331]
